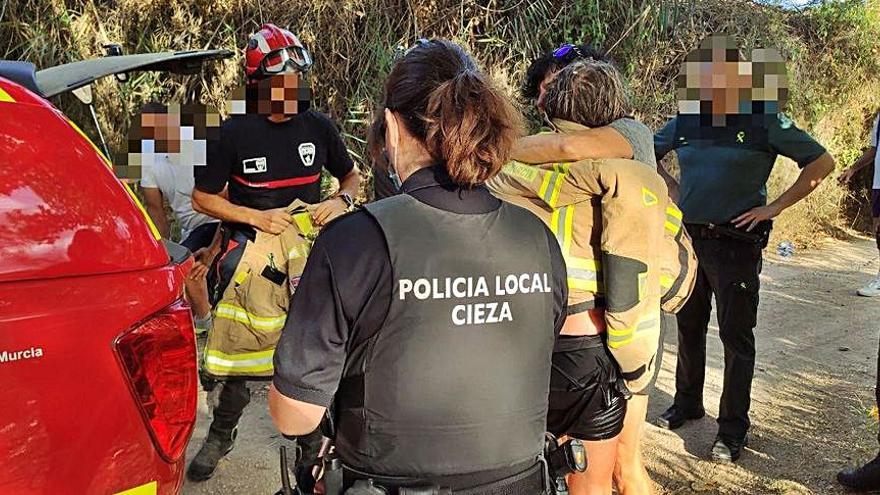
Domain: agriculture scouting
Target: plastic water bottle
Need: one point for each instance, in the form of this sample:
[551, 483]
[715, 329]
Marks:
[785, 249]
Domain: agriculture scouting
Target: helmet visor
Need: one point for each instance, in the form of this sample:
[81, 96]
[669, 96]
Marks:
[286, 59]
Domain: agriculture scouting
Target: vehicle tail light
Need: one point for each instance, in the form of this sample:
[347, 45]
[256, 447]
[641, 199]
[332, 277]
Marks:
[159, 360]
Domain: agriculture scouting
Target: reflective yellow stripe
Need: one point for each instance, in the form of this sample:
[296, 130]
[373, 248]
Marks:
[300, 251]
[583, 263]
[146, 489]
[581, 284]
[545, 184]
[648, 197]
[673, 219]
[621, 337]
[666, 281]
[240, 277]
[216, 361]
[304, 222]
[237, 313]
[4, 96]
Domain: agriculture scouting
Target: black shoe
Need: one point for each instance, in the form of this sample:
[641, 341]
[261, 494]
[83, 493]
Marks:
[865, 478]
[216, 447]
[726, 450]
[675, 417]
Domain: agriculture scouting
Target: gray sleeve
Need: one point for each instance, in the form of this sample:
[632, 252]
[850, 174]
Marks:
[640, 138]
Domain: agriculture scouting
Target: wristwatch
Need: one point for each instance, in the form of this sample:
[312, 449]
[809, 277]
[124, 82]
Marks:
[347, 199]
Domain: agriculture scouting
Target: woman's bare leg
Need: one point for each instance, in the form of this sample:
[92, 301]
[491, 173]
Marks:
[596, 480]
[630, 474]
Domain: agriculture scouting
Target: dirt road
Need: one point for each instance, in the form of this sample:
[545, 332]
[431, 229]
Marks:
[813, 389]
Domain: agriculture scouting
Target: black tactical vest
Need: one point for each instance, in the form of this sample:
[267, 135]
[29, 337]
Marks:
[456, 380]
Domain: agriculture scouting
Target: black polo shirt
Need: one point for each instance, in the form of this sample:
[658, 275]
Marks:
[345, 290]
[269, 164]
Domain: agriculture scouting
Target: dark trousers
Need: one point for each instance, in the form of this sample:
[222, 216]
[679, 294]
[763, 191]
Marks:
[728, 269]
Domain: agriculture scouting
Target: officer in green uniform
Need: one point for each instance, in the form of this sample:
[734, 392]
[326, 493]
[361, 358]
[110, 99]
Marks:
[726, 147]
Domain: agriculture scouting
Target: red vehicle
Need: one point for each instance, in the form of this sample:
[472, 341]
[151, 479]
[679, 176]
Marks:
[97, 350]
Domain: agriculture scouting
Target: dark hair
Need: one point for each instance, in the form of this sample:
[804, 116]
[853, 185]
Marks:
[588, 92]
[546, 63]
[154, 107]
[445, 101]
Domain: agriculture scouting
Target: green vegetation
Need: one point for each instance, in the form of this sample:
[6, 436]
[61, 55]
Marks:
[833, 49]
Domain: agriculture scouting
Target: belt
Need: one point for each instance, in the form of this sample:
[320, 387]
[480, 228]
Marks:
[529, 481]
[757, 235]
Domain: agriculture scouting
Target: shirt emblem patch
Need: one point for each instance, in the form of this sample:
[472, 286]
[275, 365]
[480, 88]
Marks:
[254, 165]
[307, 154]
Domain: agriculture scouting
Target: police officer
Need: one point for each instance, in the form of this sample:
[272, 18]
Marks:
[261, 162]
[726, 146]
[434, 331]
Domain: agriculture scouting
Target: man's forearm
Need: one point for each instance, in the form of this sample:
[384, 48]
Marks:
[217, 206]
[157, 214]
[810, 178]
[866, 159]
[351, 183]
[600, 142]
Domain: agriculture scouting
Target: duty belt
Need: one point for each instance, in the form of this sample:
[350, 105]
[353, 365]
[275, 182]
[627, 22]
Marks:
[759, 235]
[530, 481]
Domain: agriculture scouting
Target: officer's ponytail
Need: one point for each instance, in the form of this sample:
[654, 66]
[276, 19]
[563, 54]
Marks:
[463, 120]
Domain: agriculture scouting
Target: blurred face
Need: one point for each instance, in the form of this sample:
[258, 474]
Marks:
[715, 82]
[283, 95]
[163, 129]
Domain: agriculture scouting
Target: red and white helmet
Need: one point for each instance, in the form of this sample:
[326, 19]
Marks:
[273, 50]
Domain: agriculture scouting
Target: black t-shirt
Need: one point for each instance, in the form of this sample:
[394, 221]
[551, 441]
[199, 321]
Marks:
[268, 165]
[345, 290]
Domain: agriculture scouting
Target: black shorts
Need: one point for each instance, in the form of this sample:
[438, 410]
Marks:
[584, 400]
[200, 237]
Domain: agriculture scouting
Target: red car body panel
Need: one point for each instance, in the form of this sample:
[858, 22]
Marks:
[78, 267]
[62, 211]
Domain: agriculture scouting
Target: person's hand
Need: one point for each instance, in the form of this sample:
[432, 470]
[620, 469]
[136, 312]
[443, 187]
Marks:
[755, 215]
[846, 176]
[328, 210]
[272, 221]
[204, 258]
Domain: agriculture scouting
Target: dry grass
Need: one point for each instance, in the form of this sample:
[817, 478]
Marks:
[834, 51]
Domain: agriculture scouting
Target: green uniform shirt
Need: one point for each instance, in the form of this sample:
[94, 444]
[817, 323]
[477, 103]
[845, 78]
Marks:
[724, 170]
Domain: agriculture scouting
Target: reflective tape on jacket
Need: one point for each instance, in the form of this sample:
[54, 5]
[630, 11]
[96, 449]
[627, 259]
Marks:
[300, 251]
[583, 273]
[237, 313]
[673, 219]
[552, 184]
[621, 337]
[253, 362]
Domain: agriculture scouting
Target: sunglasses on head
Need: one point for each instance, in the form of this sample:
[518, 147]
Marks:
[568, 52]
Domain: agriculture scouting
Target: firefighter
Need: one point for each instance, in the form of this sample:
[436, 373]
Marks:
[620, 234]
[623, 137]
[727, 140]
[271, 159]
[434, 334]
